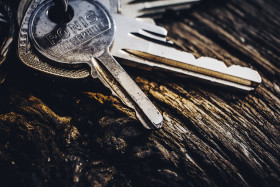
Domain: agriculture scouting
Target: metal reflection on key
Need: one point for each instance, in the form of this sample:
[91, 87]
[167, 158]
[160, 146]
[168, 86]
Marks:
[86, 39]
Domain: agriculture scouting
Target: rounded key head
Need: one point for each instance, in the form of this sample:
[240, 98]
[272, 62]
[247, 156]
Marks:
[87, 34]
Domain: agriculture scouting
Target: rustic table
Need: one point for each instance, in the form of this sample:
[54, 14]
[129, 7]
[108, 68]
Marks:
[59, 132]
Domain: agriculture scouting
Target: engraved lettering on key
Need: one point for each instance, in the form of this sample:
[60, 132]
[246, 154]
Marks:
[75, 27]
[60, 39]
[91, 16]
[58, 36]
[83, 22]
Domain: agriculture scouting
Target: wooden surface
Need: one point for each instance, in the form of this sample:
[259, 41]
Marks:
[63, 133]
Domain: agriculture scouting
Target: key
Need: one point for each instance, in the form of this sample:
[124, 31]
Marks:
[153, 8]
[89, 43]
[144, 11]
[151, 51]
[143, 48]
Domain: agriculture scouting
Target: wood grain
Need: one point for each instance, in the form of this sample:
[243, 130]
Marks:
[62, 132]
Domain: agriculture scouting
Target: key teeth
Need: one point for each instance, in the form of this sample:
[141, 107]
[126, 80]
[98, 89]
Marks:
[235, 70]
[211, 62]
[245, 70]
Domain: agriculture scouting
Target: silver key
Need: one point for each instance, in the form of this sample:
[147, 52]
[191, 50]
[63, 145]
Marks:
[136, 42]
[86, 39]
[152, 8]
[151, 51]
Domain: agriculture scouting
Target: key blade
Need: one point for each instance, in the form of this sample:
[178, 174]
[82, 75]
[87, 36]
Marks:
[149, 52]
[128, 92]
[130, 58]
[138, 9]
[167, 4]
[155, 12]
[213, 68]
[159, 7]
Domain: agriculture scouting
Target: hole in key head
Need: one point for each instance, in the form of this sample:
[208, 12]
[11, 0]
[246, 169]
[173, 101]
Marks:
[58, 16]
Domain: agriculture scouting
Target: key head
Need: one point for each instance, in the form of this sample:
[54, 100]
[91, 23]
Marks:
[31, 58]
[88, 34]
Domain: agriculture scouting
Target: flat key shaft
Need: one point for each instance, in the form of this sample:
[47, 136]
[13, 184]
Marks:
[130, 94]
